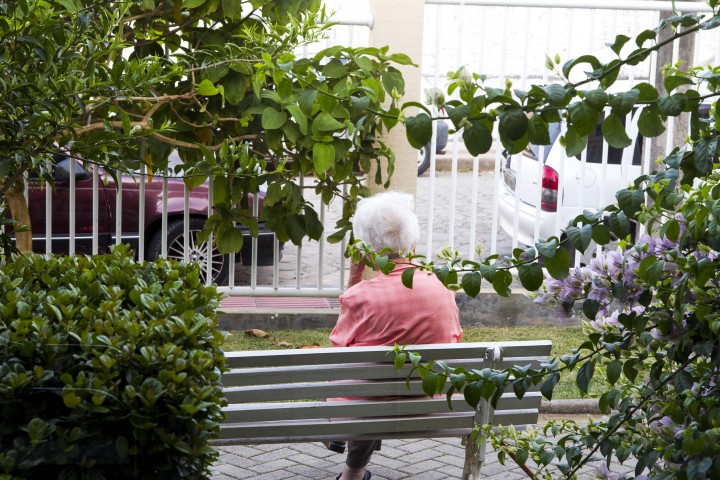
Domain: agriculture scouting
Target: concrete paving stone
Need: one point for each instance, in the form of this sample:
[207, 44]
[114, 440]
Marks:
[242, 450]
[419, 456]
[417, 445]
[221, 477]
[239, 461]
[450, 449]
[382, 473]
[379, 459]
[454, 472]
[311, 461]
[274, 475]
[421, 467]
[313, 472]
[272, 465]
[451, 460]
[391, 451]
[280, 452]
[266, 447]
[317, 450]
[234, 472]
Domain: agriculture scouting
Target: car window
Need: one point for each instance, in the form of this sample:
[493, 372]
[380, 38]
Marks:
[62, 170]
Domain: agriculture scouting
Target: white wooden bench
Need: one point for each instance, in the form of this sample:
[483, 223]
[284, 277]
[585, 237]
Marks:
[279, 396]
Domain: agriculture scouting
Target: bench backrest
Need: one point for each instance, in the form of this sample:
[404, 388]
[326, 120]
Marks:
[282, 395]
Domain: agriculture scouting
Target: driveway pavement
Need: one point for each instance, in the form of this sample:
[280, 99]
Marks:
[424, 459]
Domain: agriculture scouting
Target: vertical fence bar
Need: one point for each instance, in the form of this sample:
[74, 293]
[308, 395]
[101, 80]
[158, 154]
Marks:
[71, 206]
[118, 206]
[254, 242]
[321, 248]
[141, 203]
[298, 264]
[209, 244]
[48, 217]
[164, 216]
[95, 208]
[433, 141]
[186, 223]
[343, 243]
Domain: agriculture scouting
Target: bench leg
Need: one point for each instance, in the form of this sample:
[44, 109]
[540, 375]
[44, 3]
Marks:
[474, 458]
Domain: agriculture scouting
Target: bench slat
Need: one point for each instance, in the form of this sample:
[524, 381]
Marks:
[312, 373]
[364, 408]
[324, 390]
[350, 426]
[320, 356]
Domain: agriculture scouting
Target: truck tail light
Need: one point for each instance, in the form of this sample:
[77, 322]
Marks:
[549, 194]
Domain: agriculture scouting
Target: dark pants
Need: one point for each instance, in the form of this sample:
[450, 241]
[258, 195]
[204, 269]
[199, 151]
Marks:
[360, 451]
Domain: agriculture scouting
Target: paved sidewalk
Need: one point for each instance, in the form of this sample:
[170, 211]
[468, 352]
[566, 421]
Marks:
[426, 459]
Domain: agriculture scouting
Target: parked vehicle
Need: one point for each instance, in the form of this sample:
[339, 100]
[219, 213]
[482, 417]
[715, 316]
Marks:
[440, 144]
[198, 209]
[543, 189]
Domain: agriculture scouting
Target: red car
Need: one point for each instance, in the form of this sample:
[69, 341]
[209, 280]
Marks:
[152, 226]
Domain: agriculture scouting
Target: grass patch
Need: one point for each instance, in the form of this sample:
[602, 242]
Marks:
[563, 339]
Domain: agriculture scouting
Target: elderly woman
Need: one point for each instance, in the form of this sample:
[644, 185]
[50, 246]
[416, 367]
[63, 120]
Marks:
[382, 311]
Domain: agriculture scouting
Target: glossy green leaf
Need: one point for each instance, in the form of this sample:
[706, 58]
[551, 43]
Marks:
[557, 94]
[419, 130]
[614, 369]
[548, 385]
[649, 123]
[574, 143]
[601, 234]
[583, 117]
[589, 59]
[620, 41]
[705, 153]
[671, 82]
[579, 237]
[273, 119]
[630, 201]
[326, 123]
[323, 157]
[648, 93]
[207, 89]
[614, 132]
[229, 239]
[596, 98]
[471, 283]
[407, 277]
[671, 106]
[531, 276]
[644, 36]
[299, 117]
[585, 375]
[622, 103]
[619, 224]
[501, 282]
[477, 138]
[513, 123]
[538, 132]
[548, 248]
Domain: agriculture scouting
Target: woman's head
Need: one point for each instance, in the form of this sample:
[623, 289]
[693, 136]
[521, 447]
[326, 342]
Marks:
[387, 220]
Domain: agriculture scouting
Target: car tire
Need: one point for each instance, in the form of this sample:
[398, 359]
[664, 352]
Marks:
[423, 159]
[198, 252]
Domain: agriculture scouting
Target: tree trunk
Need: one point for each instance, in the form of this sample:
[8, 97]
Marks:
[681, 123]
[15, 197]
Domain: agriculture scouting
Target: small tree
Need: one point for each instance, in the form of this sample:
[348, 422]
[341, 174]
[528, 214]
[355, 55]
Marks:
[217, 81]
[652, 308]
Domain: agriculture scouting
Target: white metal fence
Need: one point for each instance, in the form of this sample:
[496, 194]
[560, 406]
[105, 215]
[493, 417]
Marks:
[499, 38]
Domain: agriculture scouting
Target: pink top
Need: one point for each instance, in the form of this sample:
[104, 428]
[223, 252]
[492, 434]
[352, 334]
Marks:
[382, 311]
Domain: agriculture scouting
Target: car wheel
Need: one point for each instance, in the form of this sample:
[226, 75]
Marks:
[423, 159]
[198, 252]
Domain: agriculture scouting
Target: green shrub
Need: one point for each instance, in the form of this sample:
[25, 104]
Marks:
[110, 368]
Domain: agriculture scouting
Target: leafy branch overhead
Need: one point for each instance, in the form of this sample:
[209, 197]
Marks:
[650, 304]
[125, 83]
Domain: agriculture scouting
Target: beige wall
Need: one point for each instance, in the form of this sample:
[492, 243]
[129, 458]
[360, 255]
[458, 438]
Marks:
[399, 24]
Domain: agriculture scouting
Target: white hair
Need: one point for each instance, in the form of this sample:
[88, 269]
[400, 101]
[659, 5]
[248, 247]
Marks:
[387, 220]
